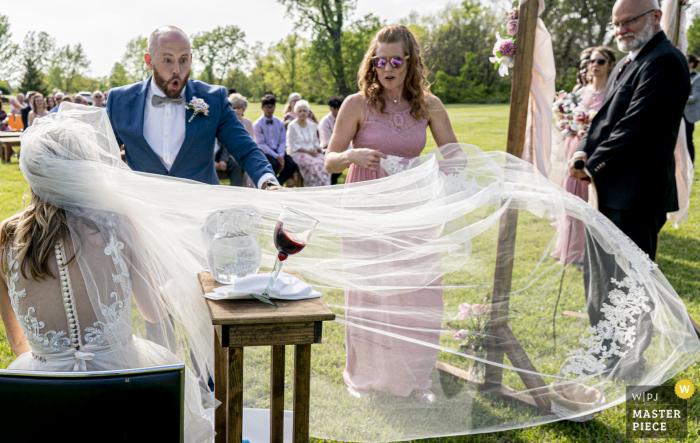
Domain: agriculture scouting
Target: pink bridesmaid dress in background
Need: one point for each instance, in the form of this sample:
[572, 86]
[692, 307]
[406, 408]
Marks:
[571, 238]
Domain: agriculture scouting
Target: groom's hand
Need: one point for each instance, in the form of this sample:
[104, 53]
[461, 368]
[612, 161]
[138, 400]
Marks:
[280, 160]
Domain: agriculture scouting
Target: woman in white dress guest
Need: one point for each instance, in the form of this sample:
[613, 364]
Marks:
[304, 147]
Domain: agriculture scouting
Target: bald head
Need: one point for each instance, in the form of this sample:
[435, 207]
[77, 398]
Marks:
[169, 34]
[169, 56]
[634, 7]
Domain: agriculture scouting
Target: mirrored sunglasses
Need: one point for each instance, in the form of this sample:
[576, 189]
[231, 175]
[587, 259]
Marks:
[396, 62]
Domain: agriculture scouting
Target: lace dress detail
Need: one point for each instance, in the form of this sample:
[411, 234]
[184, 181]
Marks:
[51, 340]
[395, 133]
[399, 122]
[116, 324]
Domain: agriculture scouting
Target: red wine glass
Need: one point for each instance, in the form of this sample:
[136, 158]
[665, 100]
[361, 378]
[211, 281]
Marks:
[292, 232]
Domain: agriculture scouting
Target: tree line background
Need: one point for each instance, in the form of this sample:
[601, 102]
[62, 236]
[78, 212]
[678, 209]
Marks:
[456, 43]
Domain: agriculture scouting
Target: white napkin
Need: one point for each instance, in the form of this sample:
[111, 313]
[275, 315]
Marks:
[287, 287]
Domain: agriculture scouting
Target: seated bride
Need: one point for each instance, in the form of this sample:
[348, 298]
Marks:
[72, 279]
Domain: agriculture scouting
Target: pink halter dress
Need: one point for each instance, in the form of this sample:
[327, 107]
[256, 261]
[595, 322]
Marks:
[374, 360]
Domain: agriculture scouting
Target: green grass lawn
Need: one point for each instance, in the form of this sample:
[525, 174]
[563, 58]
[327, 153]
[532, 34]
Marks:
[486, 127]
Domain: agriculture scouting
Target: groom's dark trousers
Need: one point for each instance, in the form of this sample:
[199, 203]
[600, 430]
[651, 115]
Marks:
[629, 147]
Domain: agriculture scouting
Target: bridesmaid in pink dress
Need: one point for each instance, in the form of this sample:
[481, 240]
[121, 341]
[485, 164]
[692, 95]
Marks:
[389, 116]
[571, 238]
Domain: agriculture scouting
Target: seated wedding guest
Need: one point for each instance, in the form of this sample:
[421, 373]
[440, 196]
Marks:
[288, 112]
[325, 128]
[390, 116]
[582, 74]
[303, 145]
[692, 106]
[240, 104]
[629, 154]
[59, 97]
[571, 239]
[27, 109]
[17, 105]
[38, 108]
[79, 99]
[271, 138]
[98, 99]
[4, 118]
[50, 102]
[224, 162]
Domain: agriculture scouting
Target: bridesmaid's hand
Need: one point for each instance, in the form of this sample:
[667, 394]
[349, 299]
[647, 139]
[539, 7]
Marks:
[366, 158]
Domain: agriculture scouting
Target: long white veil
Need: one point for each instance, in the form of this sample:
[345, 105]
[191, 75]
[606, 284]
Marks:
[410, 264]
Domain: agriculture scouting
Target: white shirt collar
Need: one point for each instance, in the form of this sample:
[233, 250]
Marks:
[634, 54]
[154, 89]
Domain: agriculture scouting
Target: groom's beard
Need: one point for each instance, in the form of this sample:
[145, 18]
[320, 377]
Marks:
[165, 84]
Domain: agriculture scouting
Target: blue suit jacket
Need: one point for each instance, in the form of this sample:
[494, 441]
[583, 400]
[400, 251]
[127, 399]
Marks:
[195, 161]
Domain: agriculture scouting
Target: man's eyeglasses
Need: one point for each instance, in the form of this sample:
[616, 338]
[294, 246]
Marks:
[599, 61]
[97, 96]
[396, 62]
[627, 23]
[269, 106]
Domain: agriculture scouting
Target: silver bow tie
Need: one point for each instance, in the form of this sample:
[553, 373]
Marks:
[157, 100]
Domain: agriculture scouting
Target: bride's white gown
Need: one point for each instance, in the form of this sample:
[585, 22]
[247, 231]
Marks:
[61, 324]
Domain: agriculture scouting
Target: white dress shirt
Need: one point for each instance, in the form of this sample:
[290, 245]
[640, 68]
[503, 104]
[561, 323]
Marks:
[164, 126]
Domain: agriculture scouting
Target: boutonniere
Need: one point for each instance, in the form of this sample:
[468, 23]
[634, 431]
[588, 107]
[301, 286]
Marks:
[198, 106]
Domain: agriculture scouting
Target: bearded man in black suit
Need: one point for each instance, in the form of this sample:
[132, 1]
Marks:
[628, 152]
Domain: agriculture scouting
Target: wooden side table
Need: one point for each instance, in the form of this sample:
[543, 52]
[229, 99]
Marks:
[7, 141]
[241, 323]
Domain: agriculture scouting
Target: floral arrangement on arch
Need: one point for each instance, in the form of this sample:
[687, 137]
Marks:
[475, 337]
[504, 49]
[571, 117]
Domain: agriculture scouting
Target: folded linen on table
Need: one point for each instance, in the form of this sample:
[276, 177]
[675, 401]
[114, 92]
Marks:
[287, 287]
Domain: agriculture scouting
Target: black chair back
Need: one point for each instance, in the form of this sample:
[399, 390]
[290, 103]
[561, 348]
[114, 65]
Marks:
[135, 405]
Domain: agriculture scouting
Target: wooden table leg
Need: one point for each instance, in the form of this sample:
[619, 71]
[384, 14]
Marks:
[302, 387]
[235, 395]
[277, 395]
[220, 386]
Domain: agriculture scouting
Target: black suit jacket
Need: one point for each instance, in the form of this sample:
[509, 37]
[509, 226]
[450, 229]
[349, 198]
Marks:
[631, 140]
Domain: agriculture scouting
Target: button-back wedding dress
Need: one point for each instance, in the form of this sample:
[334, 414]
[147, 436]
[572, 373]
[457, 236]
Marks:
[63, 328]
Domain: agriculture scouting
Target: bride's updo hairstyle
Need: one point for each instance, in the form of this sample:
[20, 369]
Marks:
[416, 86]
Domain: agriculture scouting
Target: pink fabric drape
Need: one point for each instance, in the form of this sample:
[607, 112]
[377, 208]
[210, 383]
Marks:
[539, 137]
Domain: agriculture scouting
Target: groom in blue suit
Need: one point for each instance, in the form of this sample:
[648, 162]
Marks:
[161, 132]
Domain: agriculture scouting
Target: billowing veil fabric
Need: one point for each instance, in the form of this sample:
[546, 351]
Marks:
[541, 135]
[672, 23]
[443, 209]
[122, 275]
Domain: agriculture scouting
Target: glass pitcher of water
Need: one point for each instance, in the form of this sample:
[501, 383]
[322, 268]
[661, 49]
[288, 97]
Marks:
[234, 252]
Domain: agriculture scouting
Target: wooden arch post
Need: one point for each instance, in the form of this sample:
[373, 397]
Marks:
[502, 341]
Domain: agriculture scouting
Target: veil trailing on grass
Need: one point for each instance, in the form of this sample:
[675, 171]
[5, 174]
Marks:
[451, 316]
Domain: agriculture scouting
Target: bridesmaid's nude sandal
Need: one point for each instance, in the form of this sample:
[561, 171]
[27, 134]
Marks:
[424, 395]
[357, 394]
